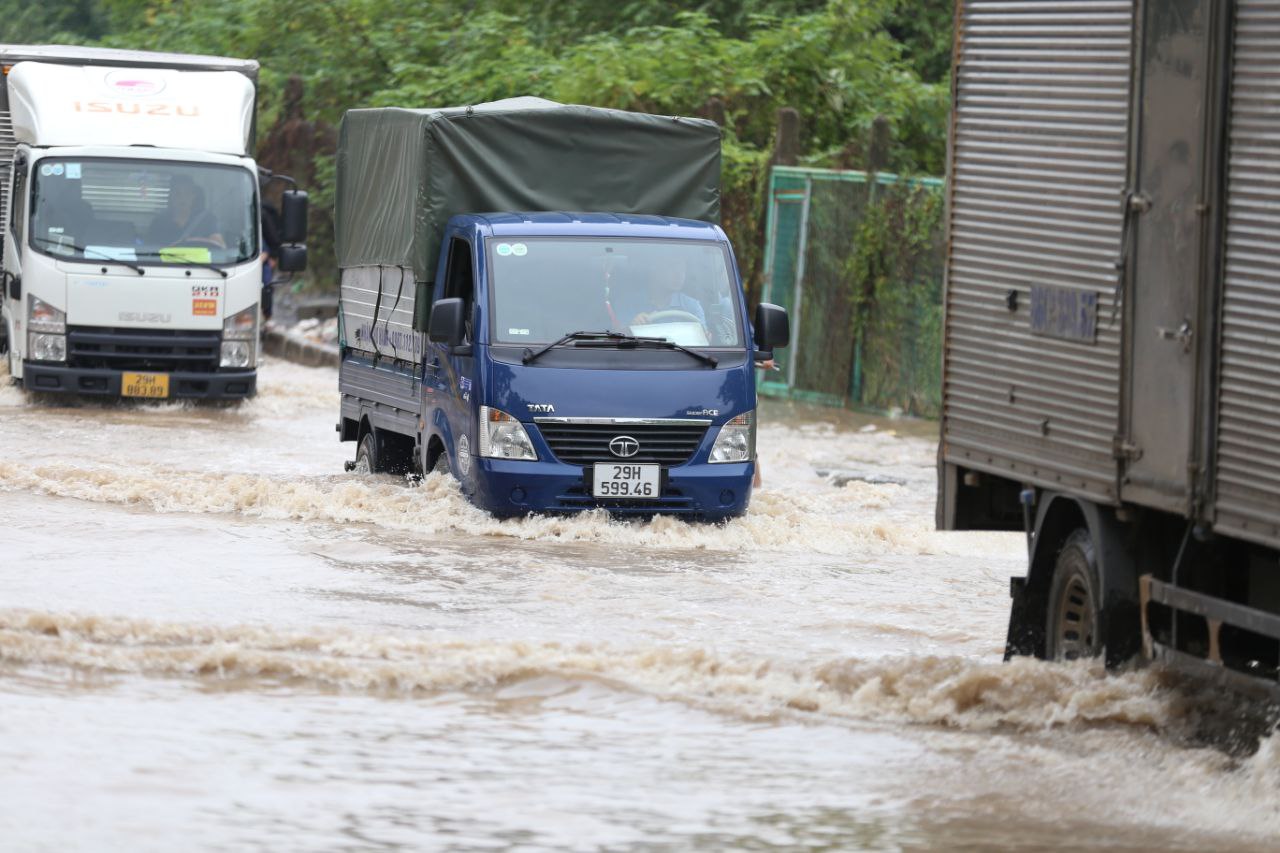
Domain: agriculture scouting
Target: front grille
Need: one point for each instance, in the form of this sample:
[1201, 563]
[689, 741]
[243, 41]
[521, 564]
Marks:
[143, 349]
[667, 443]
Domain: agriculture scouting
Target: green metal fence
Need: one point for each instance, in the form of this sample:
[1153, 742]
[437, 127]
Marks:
[857, 262]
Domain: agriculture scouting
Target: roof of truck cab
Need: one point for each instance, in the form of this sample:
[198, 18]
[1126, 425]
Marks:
[594, 225]
[75, 55]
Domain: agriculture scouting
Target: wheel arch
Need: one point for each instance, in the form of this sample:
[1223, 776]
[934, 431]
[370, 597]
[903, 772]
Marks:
[363, 429]
[1057, 517]
[431, 452]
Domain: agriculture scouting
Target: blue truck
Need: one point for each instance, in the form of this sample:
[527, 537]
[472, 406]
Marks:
[588, 348]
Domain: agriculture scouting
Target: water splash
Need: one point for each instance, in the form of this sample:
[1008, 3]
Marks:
[945, 691]
[829, 522]
[11, 396]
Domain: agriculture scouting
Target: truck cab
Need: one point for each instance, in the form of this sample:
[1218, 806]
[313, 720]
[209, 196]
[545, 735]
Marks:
[132, 251]
[577, 361]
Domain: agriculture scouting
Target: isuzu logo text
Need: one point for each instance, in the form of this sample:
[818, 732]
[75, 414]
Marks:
[188, 111]
[624, 446]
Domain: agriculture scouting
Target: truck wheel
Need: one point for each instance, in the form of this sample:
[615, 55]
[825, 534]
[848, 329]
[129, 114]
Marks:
[366, 456]
[441, 465]
[1073, 626]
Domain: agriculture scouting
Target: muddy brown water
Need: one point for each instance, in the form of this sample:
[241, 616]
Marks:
[212, 638]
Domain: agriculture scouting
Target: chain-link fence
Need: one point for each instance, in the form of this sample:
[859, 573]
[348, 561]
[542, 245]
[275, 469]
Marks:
[858, 263]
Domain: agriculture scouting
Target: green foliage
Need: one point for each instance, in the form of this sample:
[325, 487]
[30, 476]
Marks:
[744, 174]
[895, 273]
[28, 22]
[840, 63]
[924, 29]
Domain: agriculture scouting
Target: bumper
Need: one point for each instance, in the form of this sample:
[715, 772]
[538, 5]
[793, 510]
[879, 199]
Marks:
[702, 492]
[53, 379]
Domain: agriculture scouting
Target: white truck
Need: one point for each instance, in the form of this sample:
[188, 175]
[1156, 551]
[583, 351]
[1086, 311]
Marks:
[132, 251]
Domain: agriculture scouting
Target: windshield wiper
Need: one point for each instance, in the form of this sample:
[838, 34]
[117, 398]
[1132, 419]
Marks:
[632, 341]
[187, 262]
[532, 355]
[619, 340]
[82, 250]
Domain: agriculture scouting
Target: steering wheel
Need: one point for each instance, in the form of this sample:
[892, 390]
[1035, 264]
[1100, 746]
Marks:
[671, 315]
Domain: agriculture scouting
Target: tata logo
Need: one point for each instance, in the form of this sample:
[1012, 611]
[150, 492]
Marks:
[542, 408]
[624, 447]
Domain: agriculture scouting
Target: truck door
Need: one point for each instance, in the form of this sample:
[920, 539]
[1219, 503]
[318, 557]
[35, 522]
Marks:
[455, 379]
[1166, 206]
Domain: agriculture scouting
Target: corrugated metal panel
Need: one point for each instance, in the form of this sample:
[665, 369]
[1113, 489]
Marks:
[7, 146]
[1248, 463]
[1037, 176]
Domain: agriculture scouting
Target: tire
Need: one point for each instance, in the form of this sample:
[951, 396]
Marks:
[441, 465]
[367, 456]
[1073, 622]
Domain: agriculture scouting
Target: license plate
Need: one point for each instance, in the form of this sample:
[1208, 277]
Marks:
[612, 480]
[153, 385]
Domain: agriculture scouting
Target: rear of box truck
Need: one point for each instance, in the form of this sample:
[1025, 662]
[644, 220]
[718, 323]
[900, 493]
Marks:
[1110, 365]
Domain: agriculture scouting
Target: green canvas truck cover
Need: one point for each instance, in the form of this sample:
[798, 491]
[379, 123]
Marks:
[401, 173]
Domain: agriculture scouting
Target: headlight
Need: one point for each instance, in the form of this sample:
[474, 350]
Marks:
[47, 347]
[237, 354]
[242, 325]
[43, 317]
[737, 440]
[503, 437]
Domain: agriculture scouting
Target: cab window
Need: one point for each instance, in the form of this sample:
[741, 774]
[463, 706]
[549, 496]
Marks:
[460, 280]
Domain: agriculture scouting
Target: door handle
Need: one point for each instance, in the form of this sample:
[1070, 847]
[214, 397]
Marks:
[1183, 334]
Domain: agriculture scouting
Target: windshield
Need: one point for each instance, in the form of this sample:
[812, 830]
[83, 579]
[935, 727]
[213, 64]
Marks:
[546, 287]
[143, 211]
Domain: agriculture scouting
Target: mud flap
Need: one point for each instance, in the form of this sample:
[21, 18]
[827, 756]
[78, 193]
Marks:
[1021, 638]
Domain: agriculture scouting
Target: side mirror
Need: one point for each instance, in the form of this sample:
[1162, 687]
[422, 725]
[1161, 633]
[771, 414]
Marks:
[292, 258]
[447, 324]
[773, 327]
[293, 216]
[13, 284]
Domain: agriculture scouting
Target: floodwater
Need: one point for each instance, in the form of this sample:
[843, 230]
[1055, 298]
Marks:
[213, 638]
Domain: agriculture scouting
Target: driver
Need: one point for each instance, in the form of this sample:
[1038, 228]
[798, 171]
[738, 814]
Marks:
[185, 218]
[663, 291]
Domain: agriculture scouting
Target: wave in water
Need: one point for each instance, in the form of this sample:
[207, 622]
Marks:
[833, 521]
[946, 691]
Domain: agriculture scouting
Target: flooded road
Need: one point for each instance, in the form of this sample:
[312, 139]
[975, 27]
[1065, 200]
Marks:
[212, 638]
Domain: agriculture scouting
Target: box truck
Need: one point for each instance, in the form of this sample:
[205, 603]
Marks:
[1112, 336]
[537, 298]
[131, 254]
